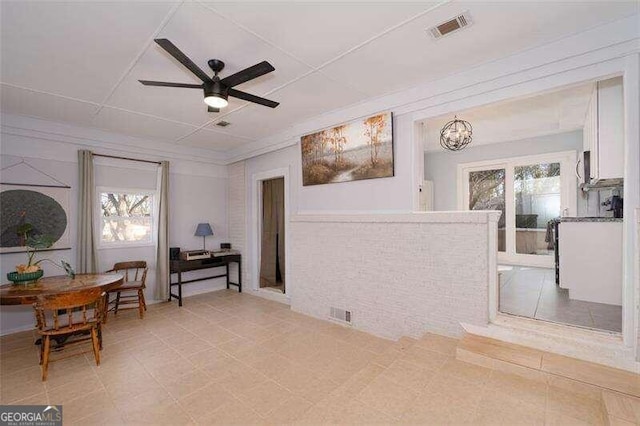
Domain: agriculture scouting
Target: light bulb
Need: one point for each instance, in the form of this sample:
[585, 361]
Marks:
[216, 101]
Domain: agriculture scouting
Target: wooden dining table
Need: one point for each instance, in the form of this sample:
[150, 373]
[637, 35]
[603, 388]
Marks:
[27, 294]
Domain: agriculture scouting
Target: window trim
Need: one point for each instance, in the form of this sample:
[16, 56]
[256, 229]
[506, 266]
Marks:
[101, 245]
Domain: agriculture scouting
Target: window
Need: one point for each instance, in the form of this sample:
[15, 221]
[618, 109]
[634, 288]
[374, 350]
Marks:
[126, 217]
[529, 191]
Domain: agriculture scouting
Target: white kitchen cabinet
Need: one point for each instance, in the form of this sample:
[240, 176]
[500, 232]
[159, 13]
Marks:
[603, 132]
[590, 260]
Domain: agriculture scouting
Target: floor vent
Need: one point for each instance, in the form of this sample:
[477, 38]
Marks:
[340, 315]
[455, 24]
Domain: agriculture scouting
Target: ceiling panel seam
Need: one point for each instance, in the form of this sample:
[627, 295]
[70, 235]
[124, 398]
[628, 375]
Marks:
[15, 86]
[142, 51]
[281, 49]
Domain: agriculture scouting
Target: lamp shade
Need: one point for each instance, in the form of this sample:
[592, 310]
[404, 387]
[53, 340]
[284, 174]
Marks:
[203, 230]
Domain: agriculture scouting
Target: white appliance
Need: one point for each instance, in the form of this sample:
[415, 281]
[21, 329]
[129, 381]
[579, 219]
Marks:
[590, 259]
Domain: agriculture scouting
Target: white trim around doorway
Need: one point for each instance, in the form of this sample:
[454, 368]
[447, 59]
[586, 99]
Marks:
[256, 195]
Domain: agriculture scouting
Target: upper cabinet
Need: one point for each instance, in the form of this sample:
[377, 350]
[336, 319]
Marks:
[603, 132]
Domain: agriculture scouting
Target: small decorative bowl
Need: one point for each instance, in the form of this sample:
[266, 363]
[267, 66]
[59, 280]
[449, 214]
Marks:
[25, 278]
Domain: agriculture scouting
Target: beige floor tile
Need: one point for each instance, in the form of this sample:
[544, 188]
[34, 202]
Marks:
[108, 417]
[553, 418]
[241, 380]
[90, 403]
[232, 413]
[288, 412]
[387, 397]
[14, 389]
[574, 405]
[265, 397]
[442, 344]
[161, 414]
[446, 390]
[464, 371]
[293, 377]
[188, 384]
[409, 375]
[424, 358]
[530, 391]
[615, 421]
[359, 381]
[442, 415]
[143, 399]
[622, 406]
[201, 403]
[317, 389]
[388, 357]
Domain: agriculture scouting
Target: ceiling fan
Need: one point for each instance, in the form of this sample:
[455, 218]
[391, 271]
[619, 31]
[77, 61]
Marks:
[216, 90]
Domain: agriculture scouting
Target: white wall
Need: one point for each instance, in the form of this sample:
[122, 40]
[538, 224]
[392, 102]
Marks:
[398, 275]
[198, 193]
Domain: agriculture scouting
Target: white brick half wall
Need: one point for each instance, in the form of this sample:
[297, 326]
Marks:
[399, 274]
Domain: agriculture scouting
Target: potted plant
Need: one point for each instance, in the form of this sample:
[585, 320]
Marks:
[31, 271]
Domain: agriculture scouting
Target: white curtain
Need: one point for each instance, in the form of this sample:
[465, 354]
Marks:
[162, 252]
[87, 258]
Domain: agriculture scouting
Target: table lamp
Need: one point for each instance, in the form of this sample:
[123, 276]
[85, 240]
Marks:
[203, 230]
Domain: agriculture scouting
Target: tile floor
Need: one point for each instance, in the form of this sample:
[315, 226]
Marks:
[533, 293]
[229, 358]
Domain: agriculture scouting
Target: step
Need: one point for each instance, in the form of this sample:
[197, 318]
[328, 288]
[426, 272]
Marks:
[502, 351]
[487, 352]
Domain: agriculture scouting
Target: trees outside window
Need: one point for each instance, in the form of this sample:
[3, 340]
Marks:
[126, 217]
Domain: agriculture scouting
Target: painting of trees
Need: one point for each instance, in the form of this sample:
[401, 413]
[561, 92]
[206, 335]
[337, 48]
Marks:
[348, 151]
[373, 128]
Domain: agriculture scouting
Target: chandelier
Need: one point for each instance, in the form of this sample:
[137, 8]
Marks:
[456, 134]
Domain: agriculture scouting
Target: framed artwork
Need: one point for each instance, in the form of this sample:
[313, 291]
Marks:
[32, 210]
[359, 149]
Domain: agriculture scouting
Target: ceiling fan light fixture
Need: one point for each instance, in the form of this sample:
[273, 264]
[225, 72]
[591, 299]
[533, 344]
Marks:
[216, 101]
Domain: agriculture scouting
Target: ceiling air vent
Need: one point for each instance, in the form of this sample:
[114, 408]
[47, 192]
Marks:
[222, 123]
[459, 22]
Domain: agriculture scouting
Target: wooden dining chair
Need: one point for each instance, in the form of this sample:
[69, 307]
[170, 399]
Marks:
[65, 316]
[131, 291]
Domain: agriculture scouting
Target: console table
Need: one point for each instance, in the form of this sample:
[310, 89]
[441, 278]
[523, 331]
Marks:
[180, 266]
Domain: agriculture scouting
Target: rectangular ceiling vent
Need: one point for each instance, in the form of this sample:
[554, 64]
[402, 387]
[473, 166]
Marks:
[452, 25]
[340, 315]
[222, 123]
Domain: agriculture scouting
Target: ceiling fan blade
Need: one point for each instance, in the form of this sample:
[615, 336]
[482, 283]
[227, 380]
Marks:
[166, 84]
[212, 109]
[182, 58]
[252, 98]
[247, 74]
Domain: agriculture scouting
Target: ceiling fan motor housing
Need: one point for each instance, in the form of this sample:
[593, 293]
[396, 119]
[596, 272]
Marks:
[215, 88]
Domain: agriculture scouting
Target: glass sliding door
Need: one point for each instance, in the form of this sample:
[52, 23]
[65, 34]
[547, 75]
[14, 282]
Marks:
[486, 192]
[537, 202]
[530, 192]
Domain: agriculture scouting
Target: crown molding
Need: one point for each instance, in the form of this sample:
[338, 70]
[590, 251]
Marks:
[600, 44]
[31, 127]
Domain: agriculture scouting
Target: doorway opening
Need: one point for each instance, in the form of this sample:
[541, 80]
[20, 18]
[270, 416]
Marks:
[553, 165]
[272, 235]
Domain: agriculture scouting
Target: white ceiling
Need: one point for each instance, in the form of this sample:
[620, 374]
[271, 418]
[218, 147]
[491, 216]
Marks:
[79, 62]
[549, 113]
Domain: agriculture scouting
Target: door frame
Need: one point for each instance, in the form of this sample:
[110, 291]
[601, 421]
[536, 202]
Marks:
[256, 231]
[568, 197]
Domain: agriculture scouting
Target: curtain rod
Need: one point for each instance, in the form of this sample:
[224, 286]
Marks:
[127, 158]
